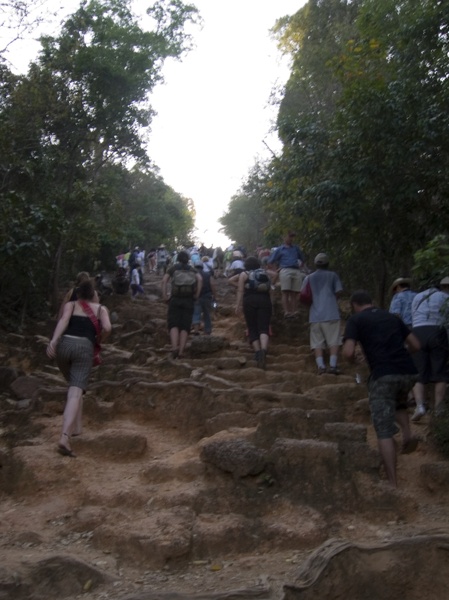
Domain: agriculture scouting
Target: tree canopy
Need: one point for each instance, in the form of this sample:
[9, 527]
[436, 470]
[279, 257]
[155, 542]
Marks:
[74, 169]
[365, 131]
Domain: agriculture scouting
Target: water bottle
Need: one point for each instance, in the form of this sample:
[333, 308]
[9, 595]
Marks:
[358, 378]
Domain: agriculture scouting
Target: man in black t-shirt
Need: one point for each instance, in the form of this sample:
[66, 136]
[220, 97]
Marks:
[387, 344]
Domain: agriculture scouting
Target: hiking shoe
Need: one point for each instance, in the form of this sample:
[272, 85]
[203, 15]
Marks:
[321, 370]
[260, 358]
[419, 412]
[333, 371]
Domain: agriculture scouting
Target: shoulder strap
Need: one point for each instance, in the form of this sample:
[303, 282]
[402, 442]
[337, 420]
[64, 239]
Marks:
[425, 299]
[89, 312]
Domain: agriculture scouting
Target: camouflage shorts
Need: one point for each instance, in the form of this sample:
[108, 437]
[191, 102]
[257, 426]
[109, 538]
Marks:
[387, 395]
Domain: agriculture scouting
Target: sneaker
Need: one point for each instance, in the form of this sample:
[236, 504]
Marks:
[419, 412]
[334, 370]
[322, 370]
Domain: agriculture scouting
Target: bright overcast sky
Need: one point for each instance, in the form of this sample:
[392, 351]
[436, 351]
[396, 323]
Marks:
[213, 111]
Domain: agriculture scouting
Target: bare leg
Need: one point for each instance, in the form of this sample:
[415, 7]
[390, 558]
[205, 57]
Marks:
[387, 451]
[419, 391]
[440, 392]
[174, 339]
[264, 339]
[404, 424]
[290, 302]
[72, 414]
[256, 345]
[285, 303]
[319, 358]
[294, 301]
[78, 427]
[183, 337]
[333, 352]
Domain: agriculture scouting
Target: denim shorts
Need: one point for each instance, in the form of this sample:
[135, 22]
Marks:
[387, 395]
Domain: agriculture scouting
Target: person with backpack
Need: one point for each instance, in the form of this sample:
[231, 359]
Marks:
[203, 306]
[253, 297]
[185, 283]
[428, 325]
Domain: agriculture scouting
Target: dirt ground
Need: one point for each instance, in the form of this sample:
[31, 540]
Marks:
[163, 499]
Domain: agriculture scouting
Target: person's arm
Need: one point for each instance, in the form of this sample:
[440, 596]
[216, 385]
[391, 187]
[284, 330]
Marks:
[165, 280]
[273, 258]
[412, 342]
[61, 326]
[395, 306]
[348, 350]
[199, 285]
[64, 302]
[234, 280]
[106, 326]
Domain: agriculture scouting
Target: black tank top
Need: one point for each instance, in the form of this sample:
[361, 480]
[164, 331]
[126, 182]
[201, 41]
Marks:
[81, 327]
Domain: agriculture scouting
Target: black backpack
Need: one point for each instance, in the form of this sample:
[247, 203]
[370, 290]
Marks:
[258, 281]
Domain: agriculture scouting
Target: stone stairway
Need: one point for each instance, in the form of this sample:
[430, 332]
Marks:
[189, 462]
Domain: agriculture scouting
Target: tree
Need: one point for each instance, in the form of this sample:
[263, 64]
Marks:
[245, 220]
[82, 106]
[364, 123]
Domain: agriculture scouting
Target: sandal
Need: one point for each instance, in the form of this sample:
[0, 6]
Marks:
[63, 450]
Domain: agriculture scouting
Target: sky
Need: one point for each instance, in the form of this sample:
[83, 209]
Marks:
[214, 111]
[214, 116]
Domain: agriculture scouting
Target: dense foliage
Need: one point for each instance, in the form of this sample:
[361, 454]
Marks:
[364, 121]
[70, 129]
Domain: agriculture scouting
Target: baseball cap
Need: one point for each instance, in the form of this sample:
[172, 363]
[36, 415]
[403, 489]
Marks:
[321, 259]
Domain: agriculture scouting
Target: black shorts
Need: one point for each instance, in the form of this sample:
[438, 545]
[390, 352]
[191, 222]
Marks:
[431, 360]
[180, 313]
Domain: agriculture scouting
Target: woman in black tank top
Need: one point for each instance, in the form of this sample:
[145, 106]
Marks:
[72, 345]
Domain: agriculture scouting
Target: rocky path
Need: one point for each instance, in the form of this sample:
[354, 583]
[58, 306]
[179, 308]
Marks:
[207, 477]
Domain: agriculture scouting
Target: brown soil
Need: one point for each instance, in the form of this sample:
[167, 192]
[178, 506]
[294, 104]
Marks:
[207, 477]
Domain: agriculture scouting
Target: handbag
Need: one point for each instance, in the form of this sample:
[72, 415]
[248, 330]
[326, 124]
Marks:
[305, 295]
[97, 360]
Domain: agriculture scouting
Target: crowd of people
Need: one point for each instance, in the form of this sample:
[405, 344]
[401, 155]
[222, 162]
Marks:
[405, 347]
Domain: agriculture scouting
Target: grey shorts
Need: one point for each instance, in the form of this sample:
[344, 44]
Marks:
[387, 395]
[74, 357]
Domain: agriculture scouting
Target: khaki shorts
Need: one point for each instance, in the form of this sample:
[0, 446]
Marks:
[291, 280]
[325, 334]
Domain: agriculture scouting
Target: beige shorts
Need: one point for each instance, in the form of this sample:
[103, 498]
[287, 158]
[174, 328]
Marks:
[325, 334]
[291, 280]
